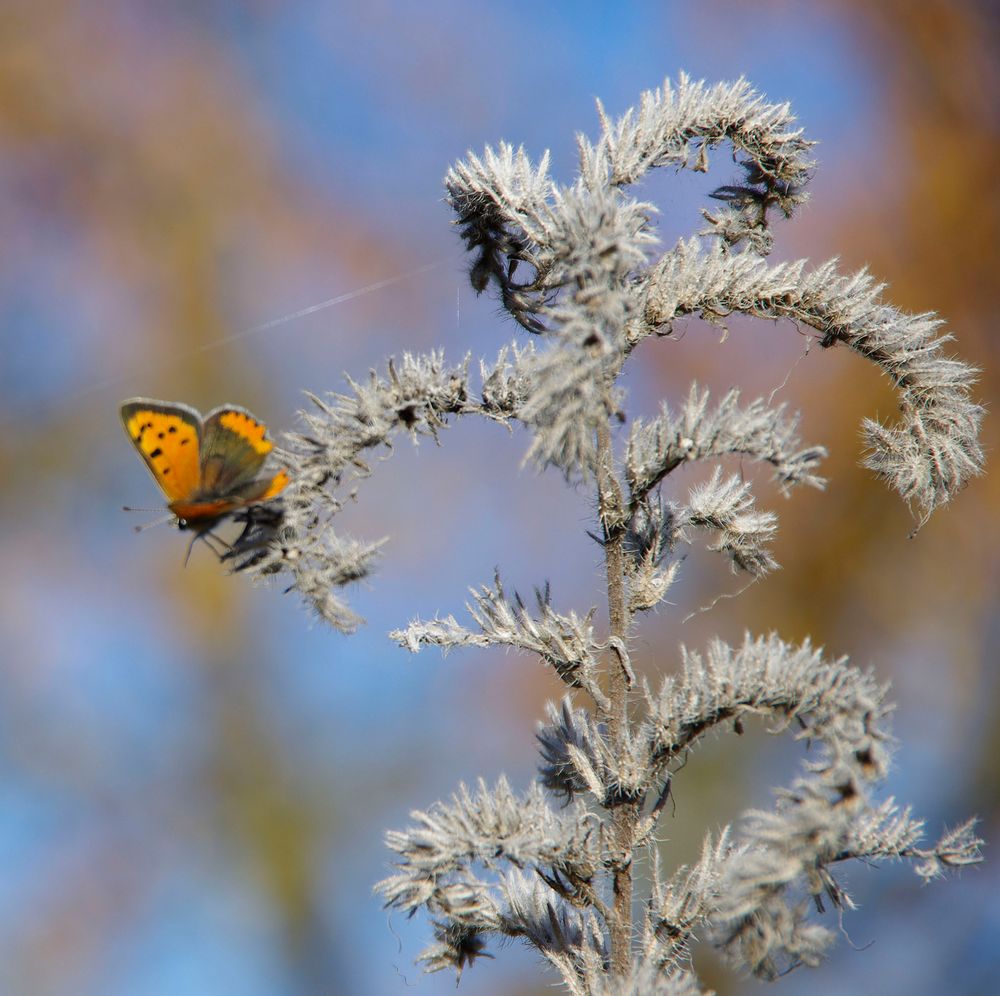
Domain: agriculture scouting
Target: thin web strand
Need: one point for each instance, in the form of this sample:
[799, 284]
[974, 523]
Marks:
[274, 323]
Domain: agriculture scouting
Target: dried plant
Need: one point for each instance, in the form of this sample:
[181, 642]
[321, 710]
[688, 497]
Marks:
[576, 267]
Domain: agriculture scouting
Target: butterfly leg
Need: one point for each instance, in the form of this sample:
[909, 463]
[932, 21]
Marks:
[204, 537]
[261, 524]
[216, 544]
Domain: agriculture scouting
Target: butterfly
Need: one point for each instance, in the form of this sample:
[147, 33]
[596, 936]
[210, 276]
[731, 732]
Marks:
[205, 466]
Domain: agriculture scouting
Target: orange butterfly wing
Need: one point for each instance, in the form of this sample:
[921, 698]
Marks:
[168, 438]
[275, 486]
[233, 449]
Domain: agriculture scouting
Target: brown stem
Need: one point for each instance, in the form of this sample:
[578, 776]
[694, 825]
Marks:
[624, 816]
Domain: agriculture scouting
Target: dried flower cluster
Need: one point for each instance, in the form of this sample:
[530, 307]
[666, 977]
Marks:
[575, 267]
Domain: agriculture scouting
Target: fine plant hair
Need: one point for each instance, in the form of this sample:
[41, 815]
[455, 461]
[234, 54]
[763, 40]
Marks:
[578, 269]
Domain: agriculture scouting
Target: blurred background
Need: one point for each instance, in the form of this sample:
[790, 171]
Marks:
[194, 776]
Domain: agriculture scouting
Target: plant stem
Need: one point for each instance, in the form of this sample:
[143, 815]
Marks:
[623, 815]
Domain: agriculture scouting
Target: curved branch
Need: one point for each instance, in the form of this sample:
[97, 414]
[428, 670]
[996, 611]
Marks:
[673, 121]
[934, 450]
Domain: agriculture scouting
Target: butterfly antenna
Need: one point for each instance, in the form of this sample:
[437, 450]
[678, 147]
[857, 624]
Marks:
[149, 525]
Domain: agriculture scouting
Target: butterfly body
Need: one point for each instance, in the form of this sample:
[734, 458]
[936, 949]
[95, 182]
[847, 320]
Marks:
[207, 467]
